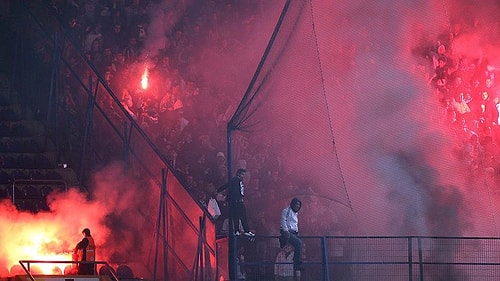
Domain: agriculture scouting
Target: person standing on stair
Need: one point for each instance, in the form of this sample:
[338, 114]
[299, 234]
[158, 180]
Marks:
[235, 193]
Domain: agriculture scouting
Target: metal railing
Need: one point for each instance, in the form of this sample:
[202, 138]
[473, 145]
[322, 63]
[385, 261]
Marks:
[372, 258]
[26, 265]
[37, 182]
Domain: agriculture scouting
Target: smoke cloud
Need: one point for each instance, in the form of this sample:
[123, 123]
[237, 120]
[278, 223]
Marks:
[399, 161]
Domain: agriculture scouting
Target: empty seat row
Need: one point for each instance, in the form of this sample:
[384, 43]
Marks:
[10, 114]
[30, 197]
[16, 129]
[9, 176]
[30, 191]
[32, 205]
[20, 145]
[4, 99]
[26, 161]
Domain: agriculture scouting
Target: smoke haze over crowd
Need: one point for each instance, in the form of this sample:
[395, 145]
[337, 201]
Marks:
[400, 173]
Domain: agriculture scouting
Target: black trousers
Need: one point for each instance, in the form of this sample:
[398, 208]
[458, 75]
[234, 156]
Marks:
[86, 269]
[239, 213]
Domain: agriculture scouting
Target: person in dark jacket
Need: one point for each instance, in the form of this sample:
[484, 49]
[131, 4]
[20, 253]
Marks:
[235, 194]
[85, 251]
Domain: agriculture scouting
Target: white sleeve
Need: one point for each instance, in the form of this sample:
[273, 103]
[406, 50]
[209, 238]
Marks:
[284, 219]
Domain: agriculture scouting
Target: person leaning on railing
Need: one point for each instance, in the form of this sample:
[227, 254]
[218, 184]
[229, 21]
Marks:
[289, 231]
[85, 251]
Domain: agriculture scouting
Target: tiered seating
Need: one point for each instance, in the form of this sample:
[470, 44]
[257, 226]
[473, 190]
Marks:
[28, 166]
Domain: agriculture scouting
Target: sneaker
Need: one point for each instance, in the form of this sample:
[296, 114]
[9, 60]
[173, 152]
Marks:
[236, 233]
[249, 233]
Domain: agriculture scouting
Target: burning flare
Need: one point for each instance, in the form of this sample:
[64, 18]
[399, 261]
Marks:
[35, 242]
[144, 80]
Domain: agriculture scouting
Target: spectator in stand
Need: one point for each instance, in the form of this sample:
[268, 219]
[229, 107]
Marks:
[131, 51]
[116, 38]
[221, 169]
[462, 109]
[272, 179]
[473, 152]
[76, 29]
[118, 65]
[240, 258]
[96, 53]
[93, 33]
[496, 100]
[489, 113]
[118, 16]
[283, 267]
[128, 103]
[441, 75]
[441, 54]
[457, 87]
[106, 60]
[490, 152]
[496, 131]
[89, 10]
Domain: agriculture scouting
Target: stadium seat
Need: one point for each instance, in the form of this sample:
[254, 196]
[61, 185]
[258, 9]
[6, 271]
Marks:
[4, 177]
[19, 175]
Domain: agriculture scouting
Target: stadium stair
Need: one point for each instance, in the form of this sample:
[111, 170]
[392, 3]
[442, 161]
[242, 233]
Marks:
[28, 159]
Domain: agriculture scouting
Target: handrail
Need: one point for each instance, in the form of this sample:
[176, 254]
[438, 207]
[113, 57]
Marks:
[35, 181]
[29, 262]
[416, 258]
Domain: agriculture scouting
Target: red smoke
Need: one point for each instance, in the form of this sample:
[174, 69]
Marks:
[48, 235]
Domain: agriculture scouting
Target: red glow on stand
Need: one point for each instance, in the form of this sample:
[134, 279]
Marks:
[40, 246]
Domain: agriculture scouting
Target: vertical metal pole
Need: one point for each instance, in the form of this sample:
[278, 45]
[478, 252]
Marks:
[160, 219]
[55, 97]
[126, 142]
[19, 52]
[53, 87]
[326, 268]
[164, 228]
[420, 259]
[202, 252]
[232, 245]
[200, 261]
[197, 260]
[410, 258]
[14, 193]
[88, 125]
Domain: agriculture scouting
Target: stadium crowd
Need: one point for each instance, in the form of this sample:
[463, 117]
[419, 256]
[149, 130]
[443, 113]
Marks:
[174, 109]
[184, 115]
[467, 90]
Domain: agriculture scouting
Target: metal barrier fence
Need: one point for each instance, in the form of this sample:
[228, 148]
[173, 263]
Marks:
[359, 258]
